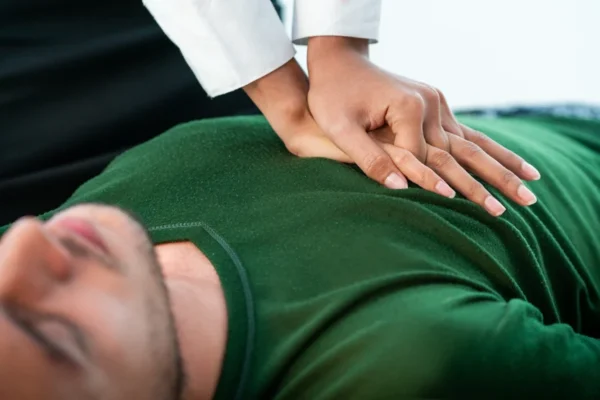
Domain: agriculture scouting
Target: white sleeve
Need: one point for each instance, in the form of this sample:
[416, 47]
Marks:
[227, 43]
[351, 18]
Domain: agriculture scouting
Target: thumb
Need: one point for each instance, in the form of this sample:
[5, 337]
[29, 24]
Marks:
[407, 124]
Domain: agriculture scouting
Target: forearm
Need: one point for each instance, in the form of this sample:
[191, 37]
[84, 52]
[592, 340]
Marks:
[280, 94]
[320, 45]
[322, 49]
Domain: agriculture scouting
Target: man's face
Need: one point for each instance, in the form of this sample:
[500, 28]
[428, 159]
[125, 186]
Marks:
[84, 313]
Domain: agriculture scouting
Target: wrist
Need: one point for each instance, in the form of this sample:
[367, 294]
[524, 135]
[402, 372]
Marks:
[321, 48]
[335, 43]
[281, 95]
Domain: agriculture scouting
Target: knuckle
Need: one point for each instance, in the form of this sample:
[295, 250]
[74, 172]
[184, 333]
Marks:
[440, 159]
[438, 138]
[377, 166]
[401, 157]
[478, 138]
[427, 177]
[510, 179]
[471, 150]
[511, 159]
[442, 97]
[515, 161]
[476, 190]
[411, 104]
[431, 95]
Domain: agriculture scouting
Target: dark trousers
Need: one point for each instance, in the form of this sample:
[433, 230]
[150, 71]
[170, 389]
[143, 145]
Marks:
[80, 82]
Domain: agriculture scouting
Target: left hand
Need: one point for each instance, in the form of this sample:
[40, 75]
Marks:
[350, 96]
[281, 97]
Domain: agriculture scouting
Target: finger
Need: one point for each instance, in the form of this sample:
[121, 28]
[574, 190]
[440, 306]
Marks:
[417, 172]
[500, 153]
[405, 118]
[383, 135]
[449, 122]
[448, 168]
[470, 155]
[370, 158]
[432, 124]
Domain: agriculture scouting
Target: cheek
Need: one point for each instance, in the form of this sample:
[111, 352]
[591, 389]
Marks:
[111, 314]
[121, 350]
[26, 373]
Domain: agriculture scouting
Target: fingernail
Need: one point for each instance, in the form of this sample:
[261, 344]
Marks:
[394, 181]
[493, 206]
[526, 195]
[442, 188]
[530, 171]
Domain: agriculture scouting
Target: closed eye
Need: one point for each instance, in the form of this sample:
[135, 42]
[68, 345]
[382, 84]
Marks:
[67, 350]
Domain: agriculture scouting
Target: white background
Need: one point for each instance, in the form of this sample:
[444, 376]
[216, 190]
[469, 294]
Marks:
[491, 52]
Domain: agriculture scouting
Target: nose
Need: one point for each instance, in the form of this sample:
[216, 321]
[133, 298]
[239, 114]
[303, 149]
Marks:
[32, 262]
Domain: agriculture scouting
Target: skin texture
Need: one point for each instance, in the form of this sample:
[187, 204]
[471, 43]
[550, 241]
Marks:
[418, 115]
[394, 128]
[200, 311]
[88, 316]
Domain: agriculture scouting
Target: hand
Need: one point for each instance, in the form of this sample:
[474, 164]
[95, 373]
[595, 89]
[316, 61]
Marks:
[287, 112]
[282, 98]
[350, 96]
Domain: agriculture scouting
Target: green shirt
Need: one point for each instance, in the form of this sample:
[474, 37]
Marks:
[338, 288]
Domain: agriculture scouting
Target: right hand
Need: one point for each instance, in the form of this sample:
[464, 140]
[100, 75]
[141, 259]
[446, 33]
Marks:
[282, 97]
[350, 96]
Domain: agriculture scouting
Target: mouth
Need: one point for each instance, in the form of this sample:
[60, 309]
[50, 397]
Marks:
[83, 230]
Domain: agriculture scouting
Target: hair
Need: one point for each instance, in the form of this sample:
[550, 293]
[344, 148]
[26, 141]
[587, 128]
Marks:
[170, 375]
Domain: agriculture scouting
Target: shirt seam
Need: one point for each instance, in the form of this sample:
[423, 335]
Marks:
[243, 275]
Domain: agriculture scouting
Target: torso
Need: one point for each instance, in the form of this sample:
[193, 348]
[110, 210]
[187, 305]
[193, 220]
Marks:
[304, 248]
